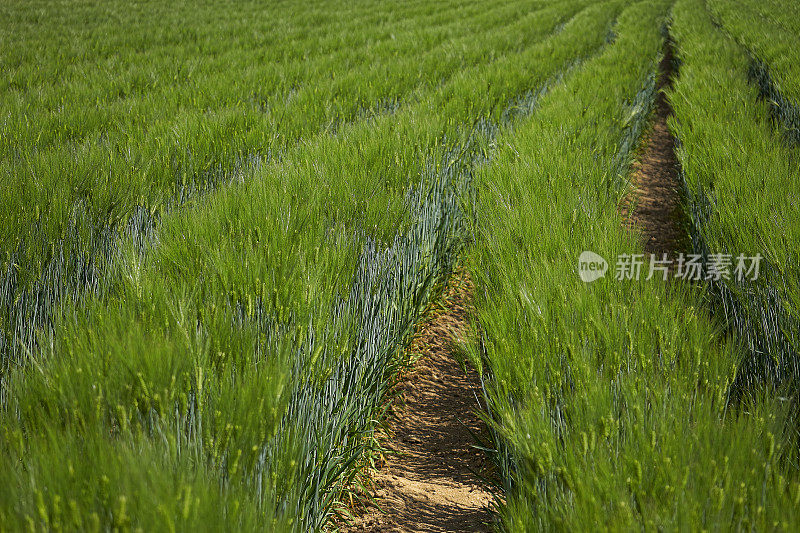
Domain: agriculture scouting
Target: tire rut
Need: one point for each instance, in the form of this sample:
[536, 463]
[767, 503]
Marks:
[431, 478]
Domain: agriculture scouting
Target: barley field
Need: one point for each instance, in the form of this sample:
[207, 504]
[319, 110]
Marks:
[222, 223]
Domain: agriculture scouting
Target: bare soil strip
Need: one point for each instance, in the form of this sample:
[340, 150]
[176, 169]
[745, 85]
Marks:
[428, 480]
[655, 207]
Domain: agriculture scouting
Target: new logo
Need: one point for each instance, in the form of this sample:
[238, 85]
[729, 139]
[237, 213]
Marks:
[591, 266]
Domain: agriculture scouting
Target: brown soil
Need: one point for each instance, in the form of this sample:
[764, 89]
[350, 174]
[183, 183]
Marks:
[430, 478]
[656, 201]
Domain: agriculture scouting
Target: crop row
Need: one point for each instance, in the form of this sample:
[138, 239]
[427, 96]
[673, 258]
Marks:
[608, 400]
[741, 176]
[781, 12]
[772, 40]
[247, 349]
[65, 208]
[138, 153]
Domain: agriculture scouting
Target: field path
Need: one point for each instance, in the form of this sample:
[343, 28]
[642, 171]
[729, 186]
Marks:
[657, 202]
[428, 480]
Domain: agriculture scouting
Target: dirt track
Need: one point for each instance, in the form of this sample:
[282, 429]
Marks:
[656, 200]
[428, 482]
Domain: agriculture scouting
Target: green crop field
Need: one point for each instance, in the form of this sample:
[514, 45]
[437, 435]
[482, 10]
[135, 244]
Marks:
[221, 223]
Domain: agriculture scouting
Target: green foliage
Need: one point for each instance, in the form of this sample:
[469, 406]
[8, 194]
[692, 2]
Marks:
[608, 400]
[739, 175]
[244, 334]
[70, 200]
[223, 221]
[769, 33]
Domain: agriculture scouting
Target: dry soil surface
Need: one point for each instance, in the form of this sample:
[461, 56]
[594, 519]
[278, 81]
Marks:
[431, 479]
[656, 201]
